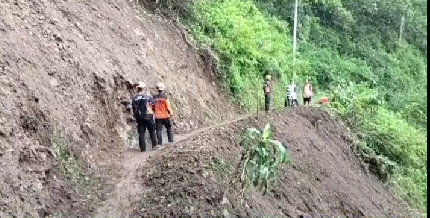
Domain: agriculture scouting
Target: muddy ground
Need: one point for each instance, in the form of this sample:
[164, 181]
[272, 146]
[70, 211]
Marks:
[323, 178]
[64, 66]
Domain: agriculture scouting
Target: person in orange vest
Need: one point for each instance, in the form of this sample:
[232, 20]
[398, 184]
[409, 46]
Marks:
[163, 114]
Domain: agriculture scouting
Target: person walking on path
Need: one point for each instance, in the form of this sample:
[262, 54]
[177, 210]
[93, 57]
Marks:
[142, 104]
[163, 114]
[267, 92]
[291, 95]
[307, 93]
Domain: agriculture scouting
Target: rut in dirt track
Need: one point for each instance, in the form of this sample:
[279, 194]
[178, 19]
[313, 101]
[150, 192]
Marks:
[127, 187]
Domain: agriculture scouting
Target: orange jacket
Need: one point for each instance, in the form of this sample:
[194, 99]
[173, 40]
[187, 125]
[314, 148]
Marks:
[162, 109]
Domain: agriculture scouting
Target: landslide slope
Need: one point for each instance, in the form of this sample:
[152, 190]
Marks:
[64, 65]
[323, 178]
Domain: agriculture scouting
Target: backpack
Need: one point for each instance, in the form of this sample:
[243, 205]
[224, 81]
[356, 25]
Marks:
[140, 106]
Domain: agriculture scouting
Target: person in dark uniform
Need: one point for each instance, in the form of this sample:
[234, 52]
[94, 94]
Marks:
[163, 114]
[267, 92]
[142, 104]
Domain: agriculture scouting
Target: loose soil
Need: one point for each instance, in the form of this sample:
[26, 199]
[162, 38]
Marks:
[127, 189]
[324, 177]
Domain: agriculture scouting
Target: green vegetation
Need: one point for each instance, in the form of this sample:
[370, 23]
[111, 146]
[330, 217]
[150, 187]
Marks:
[359, 53]
[246, 50]
[259, 163]
[261, 158]
[68, 162]
[396, 149]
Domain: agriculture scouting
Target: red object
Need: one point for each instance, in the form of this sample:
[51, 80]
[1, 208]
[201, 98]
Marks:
[323, 100]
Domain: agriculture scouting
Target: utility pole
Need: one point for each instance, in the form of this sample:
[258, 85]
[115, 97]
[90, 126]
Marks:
[295, 37]
[402, 23]
[258, 101]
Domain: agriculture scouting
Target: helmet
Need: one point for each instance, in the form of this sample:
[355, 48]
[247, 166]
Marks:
[160, 86]
[141, 85]
[268, 77]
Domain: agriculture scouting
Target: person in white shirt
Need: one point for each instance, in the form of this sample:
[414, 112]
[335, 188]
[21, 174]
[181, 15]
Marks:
[291, 95]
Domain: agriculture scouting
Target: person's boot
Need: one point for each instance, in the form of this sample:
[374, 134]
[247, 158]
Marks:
[153, 137]
[160, 137]
[142, 143]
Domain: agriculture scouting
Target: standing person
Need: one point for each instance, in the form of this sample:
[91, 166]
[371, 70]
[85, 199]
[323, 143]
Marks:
[142, 109]
[267, 92]
[163, 114]
[291, 94]
[307, 93]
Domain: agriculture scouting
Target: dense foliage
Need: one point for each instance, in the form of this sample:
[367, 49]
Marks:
[246, 50]
[360, 53]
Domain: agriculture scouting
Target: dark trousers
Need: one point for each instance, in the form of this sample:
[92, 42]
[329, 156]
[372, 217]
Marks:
[290, 102]
[307, 100]
[166, 123]
[267, 99]
[142, 126]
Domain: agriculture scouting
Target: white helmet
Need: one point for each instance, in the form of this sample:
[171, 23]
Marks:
[141, 85]
[268, 77]
[160, 86]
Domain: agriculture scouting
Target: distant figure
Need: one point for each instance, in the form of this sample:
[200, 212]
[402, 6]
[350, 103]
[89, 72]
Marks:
[267, 92]
[163, 114]
[142, 109]
[291, 95]
[307, 93]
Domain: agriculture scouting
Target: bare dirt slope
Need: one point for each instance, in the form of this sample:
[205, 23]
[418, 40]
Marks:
[127, 188]
[63, 67]
[324, 177]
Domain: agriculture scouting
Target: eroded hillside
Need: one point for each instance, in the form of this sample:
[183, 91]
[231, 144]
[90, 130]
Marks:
[64, 65]
[324, 177]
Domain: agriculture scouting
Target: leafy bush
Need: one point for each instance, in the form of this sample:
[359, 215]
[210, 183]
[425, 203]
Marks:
[260, 161]
[395, 150]
[261, 157]
[390, 135]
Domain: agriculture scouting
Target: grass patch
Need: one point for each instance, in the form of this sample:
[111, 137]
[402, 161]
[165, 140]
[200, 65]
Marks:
[69, 164]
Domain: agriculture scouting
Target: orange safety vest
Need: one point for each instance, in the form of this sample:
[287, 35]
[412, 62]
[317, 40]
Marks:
[323, 100]
[162, 109]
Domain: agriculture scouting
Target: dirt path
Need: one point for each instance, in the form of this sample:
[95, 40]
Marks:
[127, 187]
